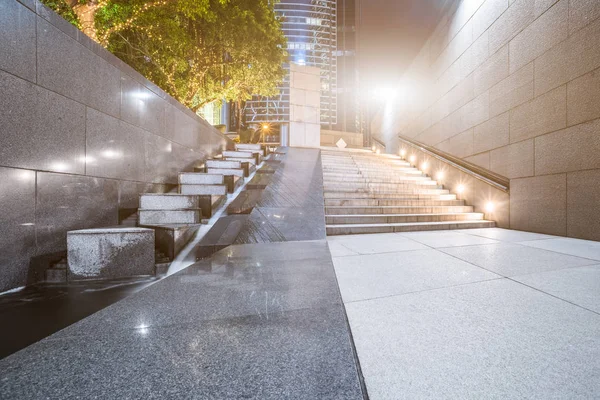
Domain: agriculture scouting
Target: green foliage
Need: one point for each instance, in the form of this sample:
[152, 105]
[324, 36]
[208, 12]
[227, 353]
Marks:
[199, 51]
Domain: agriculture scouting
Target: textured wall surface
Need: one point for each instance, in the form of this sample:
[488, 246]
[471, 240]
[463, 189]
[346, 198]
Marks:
[514, 86]
[81, 135]
[305, 106]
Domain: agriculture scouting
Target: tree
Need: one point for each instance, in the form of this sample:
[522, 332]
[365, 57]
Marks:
[199, 51]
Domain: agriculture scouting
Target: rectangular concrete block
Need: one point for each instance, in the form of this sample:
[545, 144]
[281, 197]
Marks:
[583, 203]
[546, 31]
[583, 98]
[161, 217]
[225, 171]
[110, 253]
[491, 134]
[168, 201]
[543, 114]
[223, 164]
[514, 160]
[512, 91]
[219, 190]
[198, 178]
[538, 204]
[572, 149]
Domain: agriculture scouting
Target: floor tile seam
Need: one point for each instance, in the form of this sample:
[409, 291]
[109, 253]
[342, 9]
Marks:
[502, 240]
[184, 325]
[465, 261]
[555, 269]
[425, 290]
[554, 251]
[375, 254]
[554, 296]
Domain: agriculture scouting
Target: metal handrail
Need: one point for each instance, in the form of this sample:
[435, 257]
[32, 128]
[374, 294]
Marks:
[491, 178]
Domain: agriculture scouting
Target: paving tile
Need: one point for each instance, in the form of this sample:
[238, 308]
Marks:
[496, 339]
[576, 247]
[446, 239]
[506, 235]
[509, 259]
[337, 249]
[579, 285]
[378, 243]
[372, 276]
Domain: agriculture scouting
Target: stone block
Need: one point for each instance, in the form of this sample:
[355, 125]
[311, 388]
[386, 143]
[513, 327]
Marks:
[583, 203]
[475, 112]
[491, 71]
[223, 164]
[489, 11]
[171, 239]
[583, 98]
[67, 67]
[581, 13]
[538, 204]
[572, 149]
[218, 190]
[198, 178]
[491, 134]
[227, 171]
[259, 181]
[40, 129]
[161, 217]
[245, 202]
[577, 55]
[110, 253]
[546, 31]
[17, 40]
[17, 242]
[543, 114]
[514, 160]
[168, 201]
[512, 91]
[519, 15]
[114, 149]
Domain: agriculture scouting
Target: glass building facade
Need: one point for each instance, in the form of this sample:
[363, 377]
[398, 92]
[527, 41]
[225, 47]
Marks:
[311, 30]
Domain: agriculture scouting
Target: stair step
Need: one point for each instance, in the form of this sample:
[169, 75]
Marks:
[374, 193]
[400, 218]
[160, 217]
[199, 178]
[220, 190]
[434, 201]
[333, 230]
[371, 210]
[248, 146]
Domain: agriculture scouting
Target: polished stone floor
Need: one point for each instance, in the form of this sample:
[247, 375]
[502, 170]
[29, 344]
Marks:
[257, 321]
[483, 313]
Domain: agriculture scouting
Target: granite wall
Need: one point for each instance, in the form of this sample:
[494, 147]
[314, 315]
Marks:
[514, 86]
[81, 135]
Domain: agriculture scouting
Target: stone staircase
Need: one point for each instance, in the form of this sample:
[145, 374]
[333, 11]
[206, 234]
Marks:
[373, 193]
[171, 218]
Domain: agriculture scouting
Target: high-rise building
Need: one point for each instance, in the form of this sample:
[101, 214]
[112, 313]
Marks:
[348, 105]
[311, 30]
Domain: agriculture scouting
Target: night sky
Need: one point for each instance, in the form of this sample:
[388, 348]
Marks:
[391, 34]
